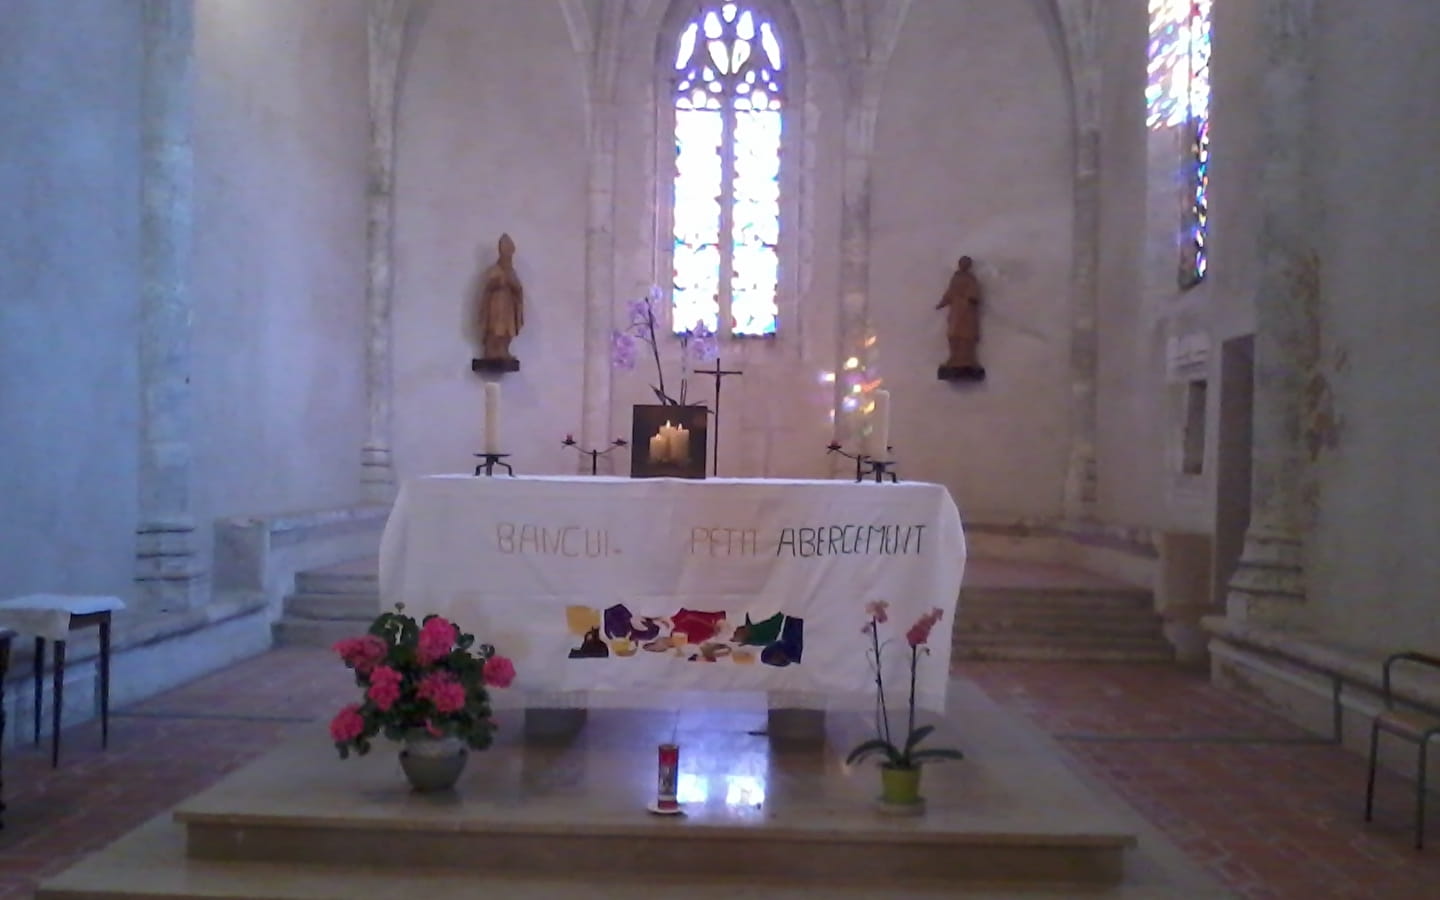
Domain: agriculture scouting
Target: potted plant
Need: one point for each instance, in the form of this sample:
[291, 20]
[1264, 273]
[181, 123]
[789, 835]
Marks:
[426, 685]
[900, 767]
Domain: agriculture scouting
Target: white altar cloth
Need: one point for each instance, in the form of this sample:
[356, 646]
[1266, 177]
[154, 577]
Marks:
[660, 585]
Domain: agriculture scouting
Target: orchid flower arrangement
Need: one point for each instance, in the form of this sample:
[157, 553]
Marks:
[697, 344]
[907, 755]
[428, 678]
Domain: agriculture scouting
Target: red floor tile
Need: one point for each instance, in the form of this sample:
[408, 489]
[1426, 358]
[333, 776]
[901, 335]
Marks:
[1271, 810]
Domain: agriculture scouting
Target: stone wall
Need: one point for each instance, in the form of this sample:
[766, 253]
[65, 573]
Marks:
[69, 289]
[927, 163]
[280, 141]
[1369, 426]
[491, 138]
[974, 155]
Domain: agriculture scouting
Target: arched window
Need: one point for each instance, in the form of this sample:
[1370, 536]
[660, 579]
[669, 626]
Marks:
[1178, 95]
[728, 96]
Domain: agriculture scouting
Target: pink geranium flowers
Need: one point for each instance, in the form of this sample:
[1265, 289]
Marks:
[363, 653]
[418, 678]
[437, 639]
[499, 671]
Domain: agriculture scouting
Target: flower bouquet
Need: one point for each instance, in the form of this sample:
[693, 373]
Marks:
[420, 681]
[900, 769]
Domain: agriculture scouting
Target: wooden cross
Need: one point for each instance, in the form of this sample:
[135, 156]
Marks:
[719, 374]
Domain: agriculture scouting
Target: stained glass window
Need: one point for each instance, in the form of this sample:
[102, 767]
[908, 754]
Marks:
[1178, 95]
[728, 100]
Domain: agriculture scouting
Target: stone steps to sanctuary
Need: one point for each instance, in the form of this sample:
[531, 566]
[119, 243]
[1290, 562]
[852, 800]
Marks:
[330, 604]
[1035, 611]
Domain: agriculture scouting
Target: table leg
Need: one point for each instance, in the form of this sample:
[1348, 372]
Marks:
[104, 682]
[4, 672]
[39, 684]
[57, 704]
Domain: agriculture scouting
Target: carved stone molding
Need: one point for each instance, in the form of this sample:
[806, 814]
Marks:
[168, 571]
[1080, 27]
[385, 29]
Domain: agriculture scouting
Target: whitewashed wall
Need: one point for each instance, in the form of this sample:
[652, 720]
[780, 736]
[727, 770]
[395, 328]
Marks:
[1144, 314]
[280, 134]
[69, 295]
[775, 418]
[973, 155]
[1372, 426]
[491, 139]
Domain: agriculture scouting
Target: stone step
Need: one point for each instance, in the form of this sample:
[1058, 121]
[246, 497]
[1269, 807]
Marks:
[150, 864]
[291, 632]
[359, 607]
[359, 576]
[1116, 598]
[1135, 647]
[1037, 651]
[970, 622]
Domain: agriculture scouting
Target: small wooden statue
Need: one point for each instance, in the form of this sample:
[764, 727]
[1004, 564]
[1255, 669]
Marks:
[501, 308]
[962, 296]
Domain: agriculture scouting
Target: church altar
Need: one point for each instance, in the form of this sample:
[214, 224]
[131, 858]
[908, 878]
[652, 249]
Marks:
[640, 587]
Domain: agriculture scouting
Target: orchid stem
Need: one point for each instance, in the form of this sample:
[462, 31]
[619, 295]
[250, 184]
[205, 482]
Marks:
[914, 658]
[655, 348]
[880, 680]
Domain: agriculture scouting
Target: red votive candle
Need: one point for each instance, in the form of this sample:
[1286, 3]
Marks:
[669, 776]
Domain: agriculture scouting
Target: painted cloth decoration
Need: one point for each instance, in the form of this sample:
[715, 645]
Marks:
[646, 586]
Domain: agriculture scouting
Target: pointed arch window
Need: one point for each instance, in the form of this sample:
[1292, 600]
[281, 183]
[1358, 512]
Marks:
[729, 102]
[1178, 95]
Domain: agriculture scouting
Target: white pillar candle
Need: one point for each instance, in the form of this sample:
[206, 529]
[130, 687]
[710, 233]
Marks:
[492, 417]
[659, 447]
[880, 426]
[679, 444]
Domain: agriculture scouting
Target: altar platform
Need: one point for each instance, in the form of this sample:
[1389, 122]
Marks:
[549, 819]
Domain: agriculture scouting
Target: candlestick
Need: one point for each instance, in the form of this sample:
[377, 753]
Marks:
[492, 417]
[594, 453]
[879, 444]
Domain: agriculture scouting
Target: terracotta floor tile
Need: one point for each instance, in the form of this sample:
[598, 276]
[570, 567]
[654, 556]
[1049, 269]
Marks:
[1270, 809]
[1273, 811]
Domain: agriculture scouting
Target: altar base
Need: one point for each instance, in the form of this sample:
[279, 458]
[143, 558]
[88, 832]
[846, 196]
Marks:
[532, 819]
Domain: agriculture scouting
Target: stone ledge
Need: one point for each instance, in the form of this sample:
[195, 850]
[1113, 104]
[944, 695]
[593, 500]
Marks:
[264, 553]
[1353, 665]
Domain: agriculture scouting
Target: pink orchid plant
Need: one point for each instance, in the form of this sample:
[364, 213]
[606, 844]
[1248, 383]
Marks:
[907, 755]
[697, 344]
[418, 678]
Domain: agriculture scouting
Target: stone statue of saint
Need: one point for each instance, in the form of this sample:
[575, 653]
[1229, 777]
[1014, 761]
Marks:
[502, 304]
[963, 298]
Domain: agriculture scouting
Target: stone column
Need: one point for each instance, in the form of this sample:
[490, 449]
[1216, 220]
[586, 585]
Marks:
[869, 42]
[386, 34]
[1079, 24]
[602, 65]
[168, 572]
[1269, 581]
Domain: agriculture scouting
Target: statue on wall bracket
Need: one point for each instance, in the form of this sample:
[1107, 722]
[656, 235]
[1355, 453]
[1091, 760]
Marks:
[962, 296]
[500, 306]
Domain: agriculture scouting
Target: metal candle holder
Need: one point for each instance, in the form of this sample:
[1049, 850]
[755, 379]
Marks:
[488, 462]
[594, 454]
[868, 465]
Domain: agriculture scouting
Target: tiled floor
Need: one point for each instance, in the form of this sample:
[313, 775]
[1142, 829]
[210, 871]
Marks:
[1271, 810]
